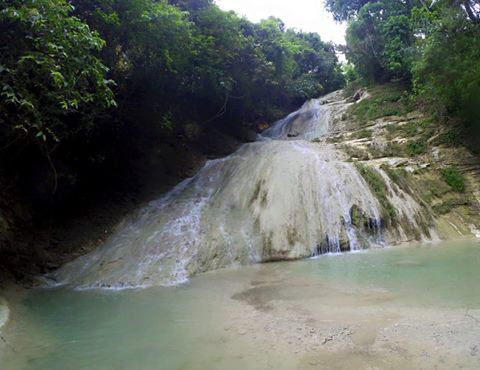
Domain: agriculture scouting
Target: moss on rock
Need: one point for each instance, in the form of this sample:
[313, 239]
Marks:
[380, 190]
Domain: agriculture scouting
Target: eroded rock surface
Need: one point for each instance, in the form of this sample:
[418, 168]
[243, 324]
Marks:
[292, 194]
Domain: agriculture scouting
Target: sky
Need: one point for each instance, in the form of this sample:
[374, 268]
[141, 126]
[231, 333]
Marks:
[305, 15]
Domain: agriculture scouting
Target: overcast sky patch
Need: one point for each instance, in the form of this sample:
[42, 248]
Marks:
[305, 15]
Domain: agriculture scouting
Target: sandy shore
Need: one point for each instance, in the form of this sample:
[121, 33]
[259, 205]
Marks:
[333, 327]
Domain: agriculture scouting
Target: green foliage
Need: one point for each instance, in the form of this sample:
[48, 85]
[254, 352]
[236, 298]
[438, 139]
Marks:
[51, 82]
[447, 70]
[445, 207]
[410, 129]
[385, 100]
[189, 52]
[176, 69]
[355, 152]
[363, 134]
[380, 40]
[160, 56]
[433, 188]
[379, 188]
[433, 46]
[449, 138]
[349, 72]
[415, 147]
[399, 176]
[393, 149]
[345, 9]
[397, 34]
[454, 179]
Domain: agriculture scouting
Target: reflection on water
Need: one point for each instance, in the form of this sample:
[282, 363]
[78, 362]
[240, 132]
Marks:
[356, 310]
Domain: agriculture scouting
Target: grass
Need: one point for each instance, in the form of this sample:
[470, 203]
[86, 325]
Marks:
[352, 88]
[454, 179]
[379, 188]
[431, 189]
[448, 139]
[354, 152]
[363, 134]
[399, 177]
[385, 100]
[445, 207]
[409, 129]
[393, 150]
[331, 139]
[415, 147]
[424, 128]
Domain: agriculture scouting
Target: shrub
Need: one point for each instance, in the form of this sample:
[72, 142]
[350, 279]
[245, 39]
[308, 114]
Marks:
[445, 207]
[385, 100]
[454, 178]
[449, 139]
[416, 147]
[363, 134]
[379, 188]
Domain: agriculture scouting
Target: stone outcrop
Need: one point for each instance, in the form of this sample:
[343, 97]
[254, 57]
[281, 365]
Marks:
[279, 198]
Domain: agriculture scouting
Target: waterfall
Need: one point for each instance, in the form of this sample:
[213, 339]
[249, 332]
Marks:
[282, 197]
[311, 121]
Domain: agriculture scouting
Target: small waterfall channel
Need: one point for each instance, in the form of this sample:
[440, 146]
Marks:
[282, 197]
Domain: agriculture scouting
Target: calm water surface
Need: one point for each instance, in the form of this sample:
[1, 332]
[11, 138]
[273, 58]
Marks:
[192, 326]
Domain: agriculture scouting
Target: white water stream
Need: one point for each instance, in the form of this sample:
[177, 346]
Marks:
[279, 198]
[282, 197]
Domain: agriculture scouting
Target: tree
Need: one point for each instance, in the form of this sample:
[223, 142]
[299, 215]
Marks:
[447, 70]
[343, 10]
[380, 38]
[105, 83]
[51, 81]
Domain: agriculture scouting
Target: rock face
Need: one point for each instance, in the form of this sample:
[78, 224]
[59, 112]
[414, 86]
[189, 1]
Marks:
[314, 119]
[279, 198]
[4, 312]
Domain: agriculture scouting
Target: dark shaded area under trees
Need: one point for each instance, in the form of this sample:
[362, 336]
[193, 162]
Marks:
[95, 94]
[93, 85]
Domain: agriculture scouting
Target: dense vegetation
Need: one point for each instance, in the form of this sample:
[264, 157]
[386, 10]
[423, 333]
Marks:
[91, 90]
[432, 46]
[89, 86]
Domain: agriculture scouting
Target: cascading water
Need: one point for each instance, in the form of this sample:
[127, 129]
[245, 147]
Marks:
[309, 122]
[282, 197]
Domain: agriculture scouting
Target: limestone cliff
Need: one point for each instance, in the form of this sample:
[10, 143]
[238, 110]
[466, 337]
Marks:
[327, 178]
